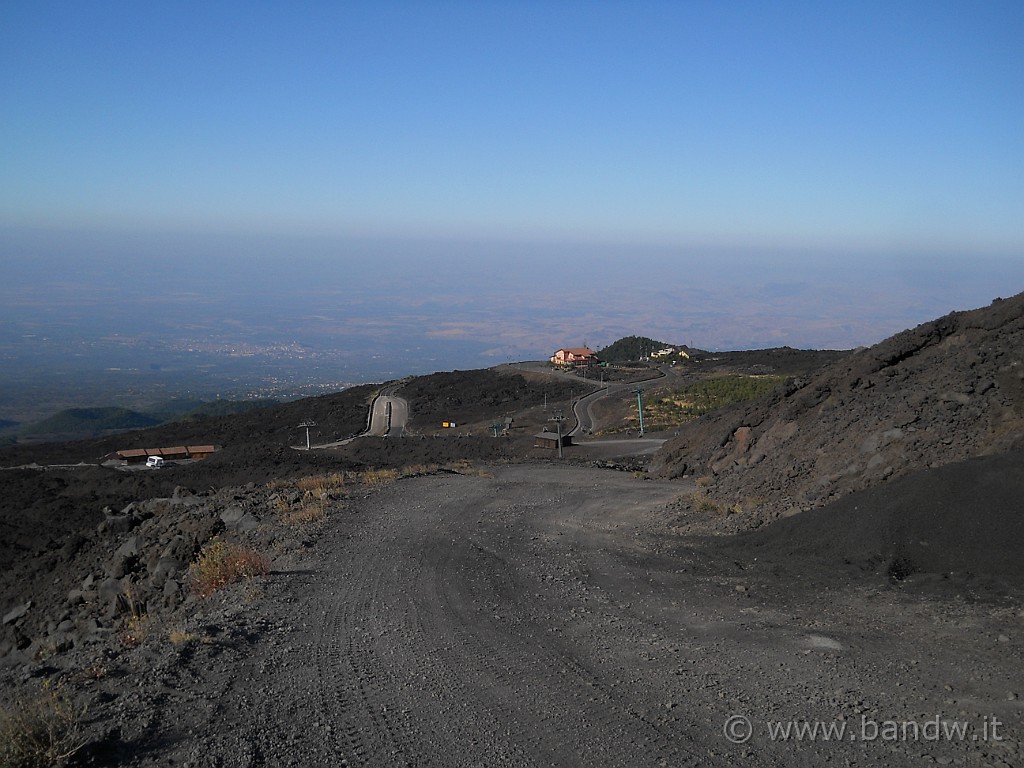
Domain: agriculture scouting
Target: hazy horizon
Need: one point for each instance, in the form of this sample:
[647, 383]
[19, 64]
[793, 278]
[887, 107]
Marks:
[511, 299]
[93, 318]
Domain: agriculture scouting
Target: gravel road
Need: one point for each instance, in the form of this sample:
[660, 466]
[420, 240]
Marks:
[544, 616]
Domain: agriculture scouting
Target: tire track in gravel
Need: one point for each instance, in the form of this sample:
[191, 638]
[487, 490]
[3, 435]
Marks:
[580, 721]
[428, 652]
[385, 678]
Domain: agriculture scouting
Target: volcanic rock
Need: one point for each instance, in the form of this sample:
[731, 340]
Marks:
[939, 393]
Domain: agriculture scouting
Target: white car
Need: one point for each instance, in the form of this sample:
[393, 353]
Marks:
[155, 462]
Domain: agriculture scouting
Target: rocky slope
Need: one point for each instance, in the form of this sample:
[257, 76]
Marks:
[945, 391]
[92, 582]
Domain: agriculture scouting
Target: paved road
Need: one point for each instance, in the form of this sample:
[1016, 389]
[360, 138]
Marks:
[390, 415]
[585, 421]
[581, 410]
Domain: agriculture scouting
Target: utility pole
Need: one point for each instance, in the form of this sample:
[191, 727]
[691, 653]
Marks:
[558, 418]
[307, 425]
[639, 391]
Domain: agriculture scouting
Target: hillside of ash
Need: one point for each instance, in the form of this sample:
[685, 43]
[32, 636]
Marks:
[942, 392]
[478, 396]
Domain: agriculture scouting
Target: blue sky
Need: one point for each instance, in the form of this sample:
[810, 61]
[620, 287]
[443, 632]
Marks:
[726, 174]
[893, 124]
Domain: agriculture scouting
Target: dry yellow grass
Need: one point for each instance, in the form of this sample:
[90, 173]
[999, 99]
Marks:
[703, 503]
[134, 631]
[317, 491]
[221, 563]
[309, 510]
[42, 730]
[415, 470]
[375, 477]
[136, 626]
[179, 637]
[94, 671]
[465, 467]
[321, 484]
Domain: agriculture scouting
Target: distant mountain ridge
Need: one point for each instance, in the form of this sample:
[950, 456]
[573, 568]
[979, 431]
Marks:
[945, 391]
[86, 421]
[94, 422]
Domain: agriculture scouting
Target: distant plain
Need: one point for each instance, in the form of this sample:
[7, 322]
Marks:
[119, 318]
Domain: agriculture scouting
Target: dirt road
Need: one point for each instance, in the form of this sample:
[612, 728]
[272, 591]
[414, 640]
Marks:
[544, 616]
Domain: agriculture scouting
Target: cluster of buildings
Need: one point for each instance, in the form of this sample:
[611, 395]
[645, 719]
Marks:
[575, 358]
[583, 356]
[668, 352]
[174, 453]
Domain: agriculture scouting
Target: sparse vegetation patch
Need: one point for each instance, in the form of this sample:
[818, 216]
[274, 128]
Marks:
[41, 731]
[310, 510]
[417, 470]
[319, 485]
[694, 400]
[701, 502]
[221, 563]
[317, 491]
[375, 477]
[467, 468]
[136, 625]
[180, 637]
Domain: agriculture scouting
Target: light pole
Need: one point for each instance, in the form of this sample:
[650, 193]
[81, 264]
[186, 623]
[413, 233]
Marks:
[639, 391]
[307, 425]
[558, 418]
